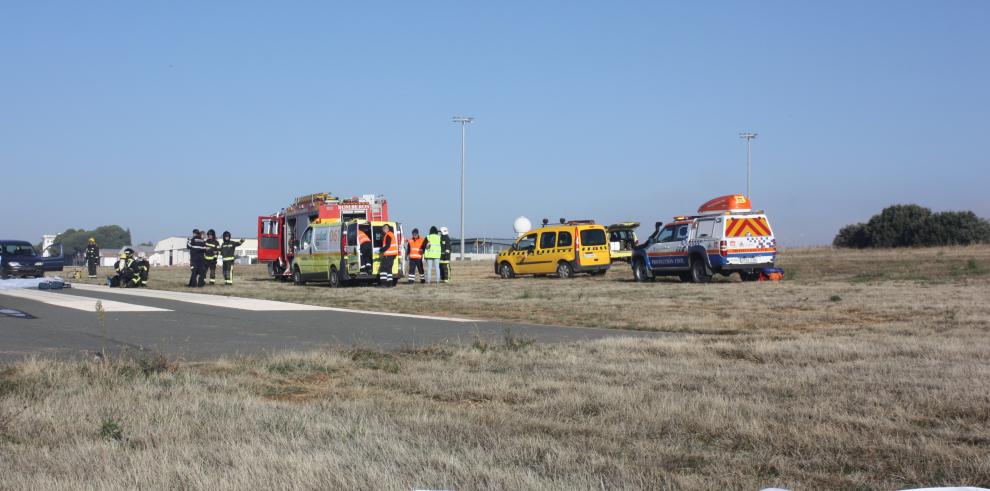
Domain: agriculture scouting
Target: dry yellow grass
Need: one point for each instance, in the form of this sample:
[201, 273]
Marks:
[889, 288]
[866, 370]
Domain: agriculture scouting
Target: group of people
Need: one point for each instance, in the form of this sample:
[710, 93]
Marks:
[203, 256]
[434, 249]
[132, 271]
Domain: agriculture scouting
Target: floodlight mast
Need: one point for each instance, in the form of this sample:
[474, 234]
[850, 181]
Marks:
[749, 137]
[463, 121]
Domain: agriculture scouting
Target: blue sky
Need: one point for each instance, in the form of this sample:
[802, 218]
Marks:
[164, 116]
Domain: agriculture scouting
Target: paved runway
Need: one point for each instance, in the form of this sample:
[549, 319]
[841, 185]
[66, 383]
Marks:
[200, 326]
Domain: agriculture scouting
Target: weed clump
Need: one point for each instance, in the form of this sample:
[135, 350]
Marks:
[375, 360]
[110, 429]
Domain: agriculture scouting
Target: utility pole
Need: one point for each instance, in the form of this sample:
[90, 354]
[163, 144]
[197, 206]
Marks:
[749, 137]
[464, 121]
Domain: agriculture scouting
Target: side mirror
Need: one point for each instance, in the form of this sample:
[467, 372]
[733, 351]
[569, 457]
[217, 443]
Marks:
[658, 225]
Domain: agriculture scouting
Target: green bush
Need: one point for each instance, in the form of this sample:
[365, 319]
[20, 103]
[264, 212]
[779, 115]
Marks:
[912, 226]
[107, 237]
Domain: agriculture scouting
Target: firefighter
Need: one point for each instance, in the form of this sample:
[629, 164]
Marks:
[127, 274]
[197, 266]
[365, 250]
[227, 249]
[432, 255]
[211, 254]
[143, 267]
[387, 253]
[92, 257]
[414, 249]
[444, 255]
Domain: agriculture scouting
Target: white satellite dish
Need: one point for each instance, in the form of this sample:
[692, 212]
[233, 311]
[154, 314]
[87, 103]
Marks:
[522, 225]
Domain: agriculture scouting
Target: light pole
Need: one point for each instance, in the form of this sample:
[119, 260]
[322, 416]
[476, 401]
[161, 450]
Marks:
[464, 121]
[749, 137]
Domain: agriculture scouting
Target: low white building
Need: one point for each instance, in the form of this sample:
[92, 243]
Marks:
[170, 252]
[47, 241]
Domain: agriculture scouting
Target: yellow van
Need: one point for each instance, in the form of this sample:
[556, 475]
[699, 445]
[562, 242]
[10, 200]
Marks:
[329, 252]
[565, 249]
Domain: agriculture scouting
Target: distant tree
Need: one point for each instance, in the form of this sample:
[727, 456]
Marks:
[107, 237]
[147, 244]
[913, 225]
[852, 236]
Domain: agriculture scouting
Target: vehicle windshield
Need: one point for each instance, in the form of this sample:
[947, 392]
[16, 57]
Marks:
[592, 237]
[526, 242]
[18, 250]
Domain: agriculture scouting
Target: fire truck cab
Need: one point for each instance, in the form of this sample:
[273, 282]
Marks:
[280, 234]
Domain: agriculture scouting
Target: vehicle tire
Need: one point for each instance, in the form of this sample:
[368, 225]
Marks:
[749, 275]
[333, 279]
[565, 270]
[505, 271]
[641, 272]
[699, 271]
[297, 276]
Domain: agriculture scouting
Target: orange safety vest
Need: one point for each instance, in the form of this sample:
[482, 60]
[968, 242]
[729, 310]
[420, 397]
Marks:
[362, 238]
[416, 248]
[393, 248]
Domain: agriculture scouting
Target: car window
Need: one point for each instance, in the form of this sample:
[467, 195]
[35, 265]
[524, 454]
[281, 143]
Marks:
[18, 250]
[682, 232]
[705, 228]
[307, 238]
[352, 234]
[526, 242]
[564, 239]
[548, 240]
[667, 234]
[592, 237]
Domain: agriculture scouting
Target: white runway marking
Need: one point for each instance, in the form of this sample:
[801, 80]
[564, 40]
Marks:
[252, 304]
[78, 303]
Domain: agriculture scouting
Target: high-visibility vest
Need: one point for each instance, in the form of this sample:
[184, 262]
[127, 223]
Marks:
[393, 248]
[416, 248]
[433, 249]
[362, 238]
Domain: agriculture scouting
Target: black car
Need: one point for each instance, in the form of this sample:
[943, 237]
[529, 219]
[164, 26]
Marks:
[19, 259]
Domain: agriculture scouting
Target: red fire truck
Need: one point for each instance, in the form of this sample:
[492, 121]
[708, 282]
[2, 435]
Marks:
[278, 233]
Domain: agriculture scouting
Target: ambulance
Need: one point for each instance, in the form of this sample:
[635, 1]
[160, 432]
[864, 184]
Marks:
[577, 246]
[279, 234]
[328, 252]
[725, 236]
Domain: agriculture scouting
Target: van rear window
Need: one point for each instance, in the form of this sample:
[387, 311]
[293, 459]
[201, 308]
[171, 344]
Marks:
[592, 237]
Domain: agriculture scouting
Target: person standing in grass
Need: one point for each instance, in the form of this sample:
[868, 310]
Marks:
[414, 250]
[227, 250]
[388, 252]
[197, 265]
[444, 255]
[211, 254]
[432, 255]
[92, 257]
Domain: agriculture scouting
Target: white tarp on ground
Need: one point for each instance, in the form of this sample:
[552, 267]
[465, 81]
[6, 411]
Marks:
[25, 282]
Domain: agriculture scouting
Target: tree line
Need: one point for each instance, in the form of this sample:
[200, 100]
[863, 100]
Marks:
[915, 226]
[74, 241]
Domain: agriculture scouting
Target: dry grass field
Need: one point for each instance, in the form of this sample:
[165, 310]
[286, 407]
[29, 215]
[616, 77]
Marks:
[863, 370]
